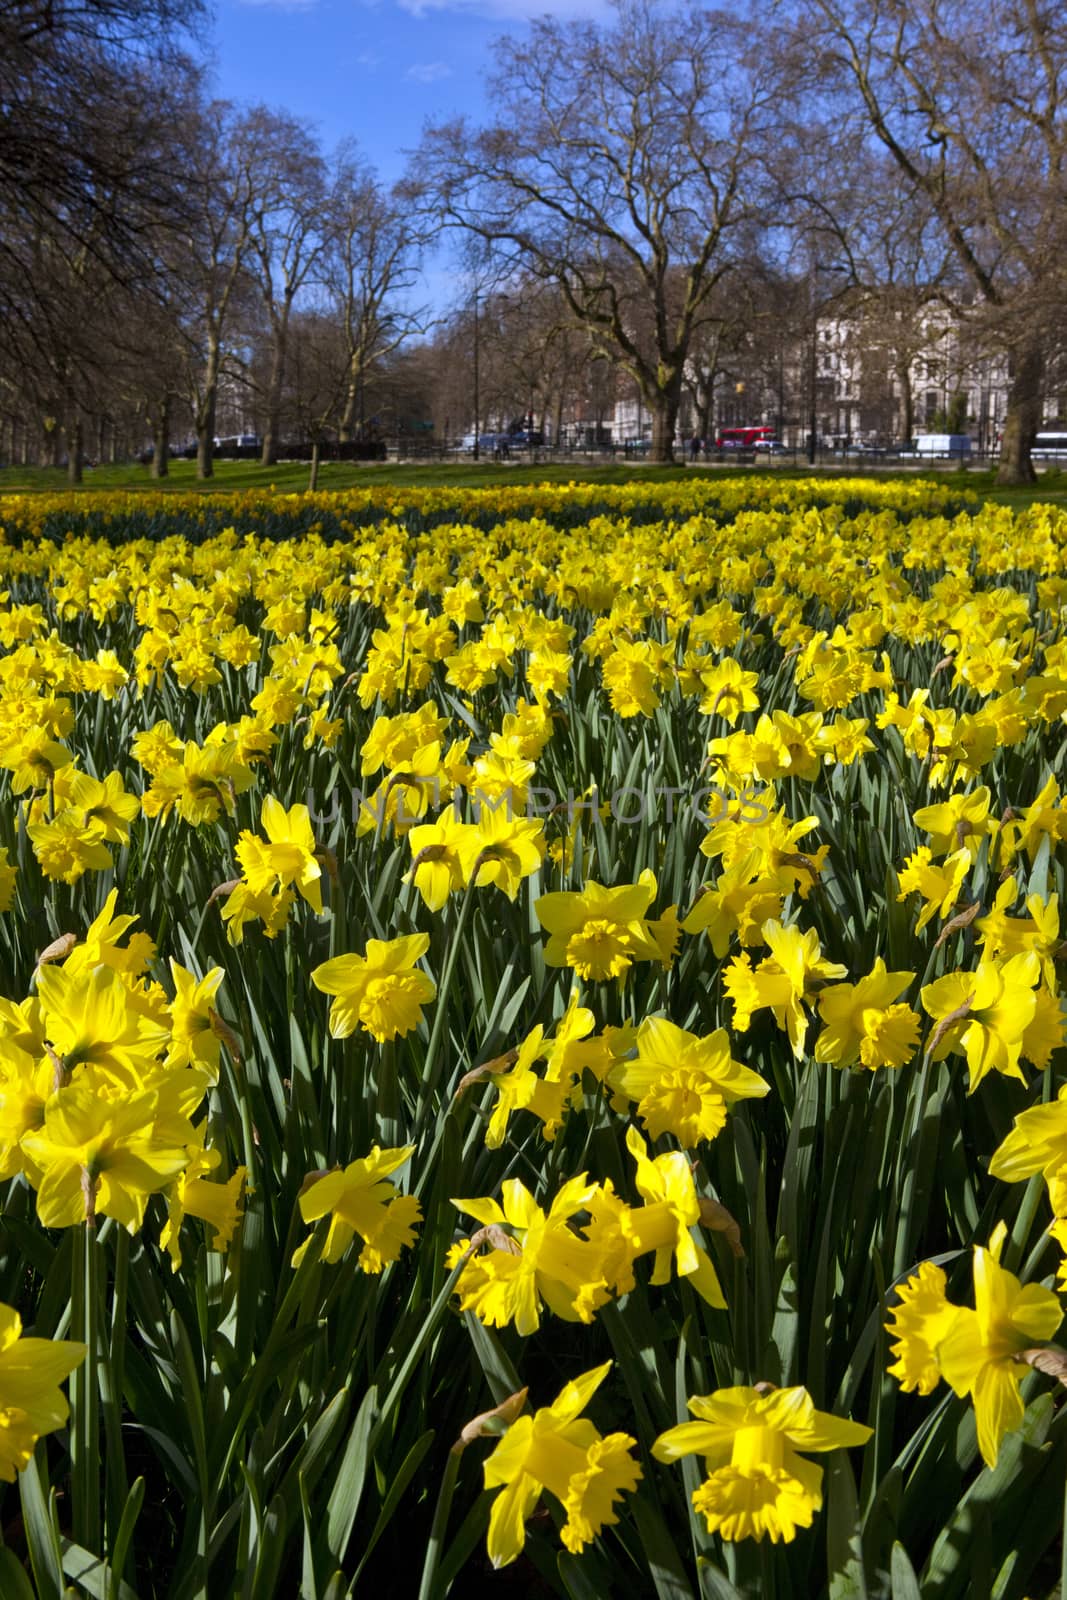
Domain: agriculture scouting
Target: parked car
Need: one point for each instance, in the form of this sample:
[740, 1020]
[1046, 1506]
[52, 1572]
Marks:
[933, 445]
[488, 443]
[1050, 446]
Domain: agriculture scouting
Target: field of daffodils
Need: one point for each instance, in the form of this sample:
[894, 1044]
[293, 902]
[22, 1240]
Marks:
[532, 1049]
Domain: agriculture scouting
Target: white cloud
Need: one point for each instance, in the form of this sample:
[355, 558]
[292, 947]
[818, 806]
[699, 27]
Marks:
[429, 72]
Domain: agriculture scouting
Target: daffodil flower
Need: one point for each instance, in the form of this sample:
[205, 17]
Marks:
[381, 991]
[758, 1483]
[31, 1402]
[559, 1450]
[977, 1352]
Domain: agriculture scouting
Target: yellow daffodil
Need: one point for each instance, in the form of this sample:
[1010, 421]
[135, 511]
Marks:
[31, 1402]
[864, 1025]
[100, 1157]
[790, 976]
[361, 1200]
[977, 1351]
[559, 1450]
[289, 856]
[194, 1195]
[599, 932]
[682, 1084]
[381, 991]
[758, 1484]
[984, 1015]
[543, 1262]
[1037, 1143]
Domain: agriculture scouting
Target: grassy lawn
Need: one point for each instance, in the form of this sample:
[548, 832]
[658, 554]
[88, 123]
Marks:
[291, 477]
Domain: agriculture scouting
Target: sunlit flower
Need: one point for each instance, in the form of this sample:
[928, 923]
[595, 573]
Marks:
[863, 1023]
[682, 1084]
[362, 1201]
[599, 932]
[758, 1483]
[31, 1402]
[381, 991]
[558, 1450]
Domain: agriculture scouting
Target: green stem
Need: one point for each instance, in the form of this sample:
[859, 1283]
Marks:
[430, 1071]
[112, 1368]
[427, 1588]
[920, 1154]
[85, 1438]
[387, 1098]
[236, 1082]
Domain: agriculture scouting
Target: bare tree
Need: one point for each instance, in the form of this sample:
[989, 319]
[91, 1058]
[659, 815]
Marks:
[622, 160]
[373, 246]
[286, 183]
[972, 118]
[87, 90]
[316, 383]
[214, 268]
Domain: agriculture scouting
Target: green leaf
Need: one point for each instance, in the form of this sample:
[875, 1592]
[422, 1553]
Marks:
[844, 1547]
[408, 1467]
[954, 1550]
[14, 1584]
[42, 1529]
[715, 1585]
[93, 1574]
[664, 1566]
[130, 1512]
[269, 1572]
[577, 1581]
[902, 1575]
[500, 1375]
[343, 1504]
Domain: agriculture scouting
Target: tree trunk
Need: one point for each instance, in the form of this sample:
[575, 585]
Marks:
[348, 412]
[313, 475]
[161, 440]
[272, 428]
[704, 427]
[907, 403]
[205, 413]
[664, 408]
[75, 450]
[1023, 419]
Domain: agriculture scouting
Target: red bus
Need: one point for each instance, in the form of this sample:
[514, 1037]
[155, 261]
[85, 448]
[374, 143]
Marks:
[742, 438]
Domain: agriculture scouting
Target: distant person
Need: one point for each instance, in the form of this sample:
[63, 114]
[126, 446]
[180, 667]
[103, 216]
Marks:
[695, 444]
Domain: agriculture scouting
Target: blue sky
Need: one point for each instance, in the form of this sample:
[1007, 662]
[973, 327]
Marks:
[375, 71]
[372, 70]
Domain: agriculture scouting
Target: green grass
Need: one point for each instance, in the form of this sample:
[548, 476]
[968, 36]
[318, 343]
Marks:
[291, 477]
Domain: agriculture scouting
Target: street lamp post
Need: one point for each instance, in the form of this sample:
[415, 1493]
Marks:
[779, 430]
[813, 372]
[477, 397]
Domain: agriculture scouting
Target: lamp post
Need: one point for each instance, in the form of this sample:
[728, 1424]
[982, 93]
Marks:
[477, 397]
[813, 372]
[779, 429]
